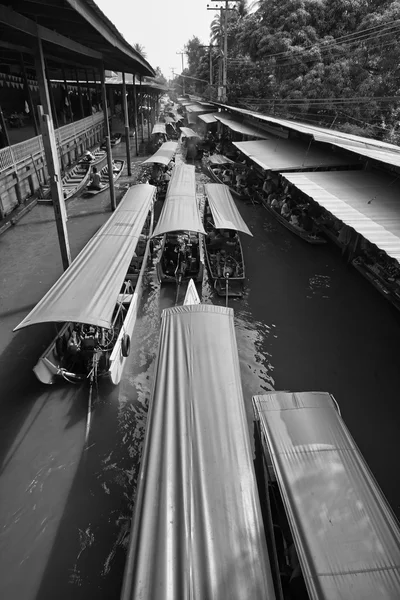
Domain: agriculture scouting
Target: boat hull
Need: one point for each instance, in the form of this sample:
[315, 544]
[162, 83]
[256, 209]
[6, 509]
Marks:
[51, 365]
[105, 180]
[196, 273]
[209, 171]
[72, 183]
[235, 284]
[311, 239]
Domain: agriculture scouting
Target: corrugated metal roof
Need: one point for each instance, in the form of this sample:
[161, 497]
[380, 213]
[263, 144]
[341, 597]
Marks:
[180, 211]
[223, 208]
[241, 127]
[88, 290]
[346, 535]
[369, 202]
[368, 147]
[208, 118]
[197, 530]
[281, 155]
[187, 132]
[159, 128]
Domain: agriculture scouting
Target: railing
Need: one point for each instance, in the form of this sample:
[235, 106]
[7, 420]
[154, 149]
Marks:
[12, 155]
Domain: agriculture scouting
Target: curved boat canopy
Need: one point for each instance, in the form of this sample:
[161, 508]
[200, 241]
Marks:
[88, 290]
[197, 529]
[223, 208]
[159, 128]
[220, 159]
[187, 132]
[180, 211]
[346, 536]
[163, 154]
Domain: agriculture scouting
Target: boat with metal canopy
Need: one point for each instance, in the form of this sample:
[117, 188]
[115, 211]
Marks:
[181, 252]
[323, 503]
[164, 154]
[96, 299]
[197, 531]
[223, 249]
[213, 165]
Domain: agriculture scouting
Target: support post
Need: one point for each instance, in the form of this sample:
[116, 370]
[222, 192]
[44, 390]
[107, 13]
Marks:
[225, 56]
[71, 116]
[79, 94]
[108, 141]
[89, 91]
[50, 150]
[4, 128]
[141, 105]
[148, 115]
[126, 115]
[135, 115]
[29, 96]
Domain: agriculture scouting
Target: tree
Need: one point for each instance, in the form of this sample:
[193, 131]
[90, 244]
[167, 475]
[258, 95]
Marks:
[139, 48]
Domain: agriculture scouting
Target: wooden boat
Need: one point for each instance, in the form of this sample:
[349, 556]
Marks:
[181, 252]
[96, 299]
[115, 139]
[119, 167]
[72, 183]
[223, 248]
[216, 161]
[311, 238]
[371, 273]
[100, 157]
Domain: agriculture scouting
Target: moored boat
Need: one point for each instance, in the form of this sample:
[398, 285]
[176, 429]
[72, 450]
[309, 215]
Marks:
[214, 163]
[310, 237]
[72, 183]
[115, 139]
[181, 253]
[98, 160]
[118, 167]
[223, 249]
[96, 299]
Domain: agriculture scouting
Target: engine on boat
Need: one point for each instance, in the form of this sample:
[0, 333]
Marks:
[180, 256]
[88, 348]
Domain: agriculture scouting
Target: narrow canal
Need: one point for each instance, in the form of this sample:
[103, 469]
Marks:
[307, 322]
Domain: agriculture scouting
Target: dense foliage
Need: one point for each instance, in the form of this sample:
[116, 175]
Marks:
[320, 61]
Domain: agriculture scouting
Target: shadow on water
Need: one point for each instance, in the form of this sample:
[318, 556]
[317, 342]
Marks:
[89, 551]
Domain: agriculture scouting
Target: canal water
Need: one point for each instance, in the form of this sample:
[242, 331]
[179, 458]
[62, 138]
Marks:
[307, 322]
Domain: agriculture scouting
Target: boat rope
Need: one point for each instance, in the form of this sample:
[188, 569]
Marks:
[93, 377]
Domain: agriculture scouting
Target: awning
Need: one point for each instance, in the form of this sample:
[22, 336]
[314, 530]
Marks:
[159, 128]
[169, 120]
[196, 108]
[163, 154]
[188, 132]
[220, 159]
[368, 147]
[346, 535]
[208, 118]
[286, 155]
[364, 200]
[197, 529]
[180, 211]
[223, 208]
[241, 127]
[88, 290]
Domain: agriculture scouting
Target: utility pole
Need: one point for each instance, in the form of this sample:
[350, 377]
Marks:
[183, 79]
[224, 50]
[210, 46]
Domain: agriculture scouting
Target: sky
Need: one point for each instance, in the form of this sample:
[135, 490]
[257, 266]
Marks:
[162, 27]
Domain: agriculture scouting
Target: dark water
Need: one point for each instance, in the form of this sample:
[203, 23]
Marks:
[306, 322]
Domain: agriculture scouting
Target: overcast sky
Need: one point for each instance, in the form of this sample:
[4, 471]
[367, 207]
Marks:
[161, 26]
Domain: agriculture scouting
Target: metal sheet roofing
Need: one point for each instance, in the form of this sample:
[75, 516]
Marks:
[367, 147]
[163, 154]
[180, 211]
[208, 118]
[187, 132]
[346, 535]
[223, 208]
[364, 200]
[88, 290]
[197, 530]
[159, 128]
[241, 127]
[284, 155]
[219, 159]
